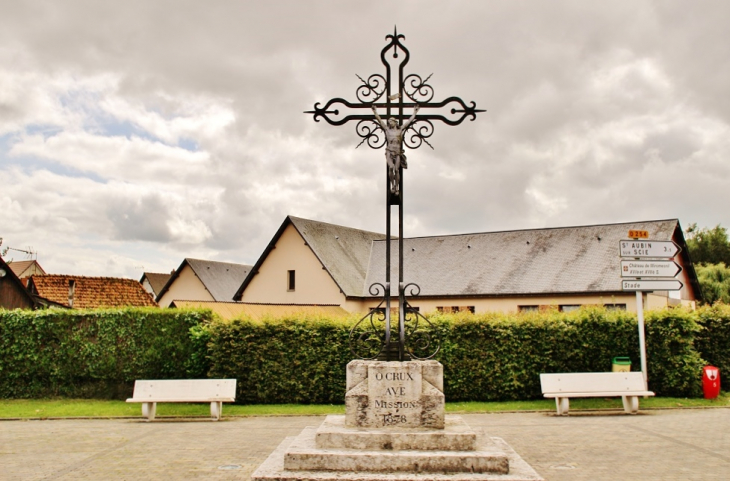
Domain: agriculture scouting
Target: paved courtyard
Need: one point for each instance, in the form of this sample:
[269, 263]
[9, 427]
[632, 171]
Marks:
[660, 445]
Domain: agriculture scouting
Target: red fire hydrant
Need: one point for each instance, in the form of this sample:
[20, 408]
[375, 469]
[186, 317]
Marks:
[711, 382]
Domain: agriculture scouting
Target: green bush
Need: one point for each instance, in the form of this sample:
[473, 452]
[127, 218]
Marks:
[97, 353]
[713, 340]
[674, 365]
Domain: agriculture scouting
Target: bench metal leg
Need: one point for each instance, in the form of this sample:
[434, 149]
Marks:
[563, 405]
[631, 404]
[216, 409]
[148, 410]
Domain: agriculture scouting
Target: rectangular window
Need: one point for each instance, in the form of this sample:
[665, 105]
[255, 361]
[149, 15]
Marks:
[615, 307]
[528, 308]
[455, 309]
[569, 307]
[291, 280]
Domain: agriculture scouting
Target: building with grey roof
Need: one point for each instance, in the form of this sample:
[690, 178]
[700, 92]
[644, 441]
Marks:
[203, 280]
[529, 269]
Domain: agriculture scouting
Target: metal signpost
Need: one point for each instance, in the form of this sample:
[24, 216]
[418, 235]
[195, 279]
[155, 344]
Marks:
[406, 101]
[647, 275]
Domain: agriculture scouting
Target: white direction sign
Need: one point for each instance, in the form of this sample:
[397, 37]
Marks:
[649, 269]
[651, 285]
[648, 248]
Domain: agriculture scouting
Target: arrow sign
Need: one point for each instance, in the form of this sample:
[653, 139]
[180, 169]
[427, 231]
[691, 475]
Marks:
[649, 269]
[652, 285]
[648, 248]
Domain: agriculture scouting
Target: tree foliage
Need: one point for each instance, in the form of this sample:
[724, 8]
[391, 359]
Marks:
[709, 250]
[715, 282]
[708, 246]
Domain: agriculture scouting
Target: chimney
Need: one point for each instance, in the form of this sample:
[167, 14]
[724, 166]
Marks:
[71, 291]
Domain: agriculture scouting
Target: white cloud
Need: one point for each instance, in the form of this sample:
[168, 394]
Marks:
[135, 135]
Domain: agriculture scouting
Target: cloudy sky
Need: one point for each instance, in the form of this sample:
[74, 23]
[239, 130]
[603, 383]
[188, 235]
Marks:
[134, 134]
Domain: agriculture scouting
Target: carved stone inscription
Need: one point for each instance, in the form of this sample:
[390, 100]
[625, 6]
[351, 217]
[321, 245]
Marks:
[394, 393]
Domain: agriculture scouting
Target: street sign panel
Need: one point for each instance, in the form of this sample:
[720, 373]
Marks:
[648, 248]
[649, 269]
[651, 285]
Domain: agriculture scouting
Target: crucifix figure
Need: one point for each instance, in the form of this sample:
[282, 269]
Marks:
[396, 93]
[394, 153]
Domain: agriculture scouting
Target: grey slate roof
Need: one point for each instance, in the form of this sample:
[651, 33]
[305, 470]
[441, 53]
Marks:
[537, 261]
[343, 251]
[222, 279]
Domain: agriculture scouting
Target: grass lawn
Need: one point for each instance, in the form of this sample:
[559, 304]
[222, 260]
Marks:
[70, 408]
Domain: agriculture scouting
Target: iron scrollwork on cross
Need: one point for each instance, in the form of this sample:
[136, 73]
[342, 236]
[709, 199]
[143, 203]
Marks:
[370, 339]
[409, 112]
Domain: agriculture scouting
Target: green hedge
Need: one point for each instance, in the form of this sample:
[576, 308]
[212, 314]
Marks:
[713, 340]
[497, 356]
[494, 356]
[485, 357]
[285, 360]
[98, 353]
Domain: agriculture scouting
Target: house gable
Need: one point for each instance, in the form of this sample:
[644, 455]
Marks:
[184, 284]
[153, 282]
[269, 280]
[343, 251]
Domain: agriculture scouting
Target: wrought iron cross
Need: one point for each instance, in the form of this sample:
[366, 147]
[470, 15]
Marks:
[409, 110]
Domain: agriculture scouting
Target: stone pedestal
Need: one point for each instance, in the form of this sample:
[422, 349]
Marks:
[394, 429]
[395, 394]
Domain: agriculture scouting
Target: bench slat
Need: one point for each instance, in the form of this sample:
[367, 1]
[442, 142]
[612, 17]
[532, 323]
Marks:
[592, 382]
[598, 394]
[182, 390]
[178, 400]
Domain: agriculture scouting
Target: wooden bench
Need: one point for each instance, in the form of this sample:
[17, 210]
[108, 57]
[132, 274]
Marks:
[628, 385]
[214, 391]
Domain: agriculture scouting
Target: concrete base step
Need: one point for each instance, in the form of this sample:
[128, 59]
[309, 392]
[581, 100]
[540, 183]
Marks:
[456, 436]
[273, 470]
[303, 455]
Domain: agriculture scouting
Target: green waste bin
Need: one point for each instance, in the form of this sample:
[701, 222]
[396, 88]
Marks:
[621, 364]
